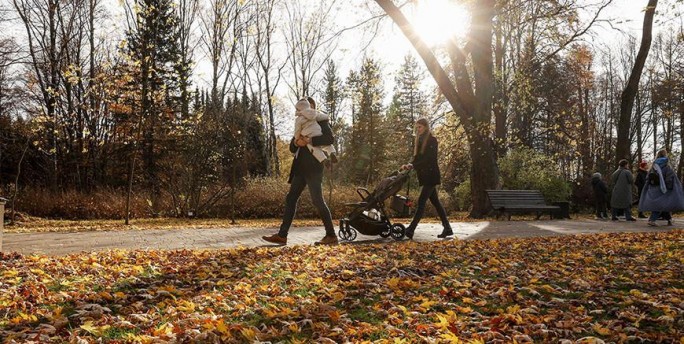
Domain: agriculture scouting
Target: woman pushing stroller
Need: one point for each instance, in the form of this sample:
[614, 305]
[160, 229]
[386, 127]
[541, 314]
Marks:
[427, 169]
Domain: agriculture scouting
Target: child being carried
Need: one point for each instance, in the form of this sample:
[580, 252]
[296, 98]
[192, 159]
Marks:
[306, 124]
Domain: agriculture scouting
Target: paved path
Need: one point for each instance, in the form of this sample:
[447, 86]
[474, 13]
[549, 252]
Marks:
[65, 243]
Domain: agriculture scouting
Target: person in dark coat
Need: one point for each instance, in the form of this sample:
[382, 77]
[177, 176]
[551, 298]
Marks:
[307, 171]
[425, 163]
[621, 199]
[600, 193]
[640, 182]
[663, 192]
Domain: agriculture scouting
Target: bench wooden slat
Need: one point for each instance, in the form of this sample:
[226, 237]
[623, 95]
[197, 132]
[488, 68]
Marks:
[519, 201]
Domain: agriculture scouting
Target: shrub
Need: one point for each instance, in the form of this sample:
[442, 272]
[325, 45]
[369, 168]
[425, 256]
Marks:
[77, 205]
[255, 198]
[463, 196]
[527, 169]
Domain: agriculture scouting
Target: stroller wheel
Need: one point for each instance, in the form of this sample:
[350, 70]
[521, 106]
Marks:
[398, 231]
[342, 233]
[387, 232]
[352, 233]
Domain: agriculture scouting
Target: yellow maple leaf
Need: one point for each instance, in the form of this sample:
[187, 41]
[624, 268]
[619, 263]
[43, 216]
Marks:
[294, 327]
[186, 306]
[427, 304]
[601, 330]
[248, 333]
[164, 330]
[95, 330]
[450, 338]
[222, 328]
[547, 288]
[513, 309]
[442, 322]
[10, 273]
[393, 282]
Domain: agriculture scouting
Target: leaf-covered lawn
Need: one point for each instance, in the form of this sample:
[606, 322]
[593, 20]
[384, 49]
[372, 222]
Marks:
[616, 287]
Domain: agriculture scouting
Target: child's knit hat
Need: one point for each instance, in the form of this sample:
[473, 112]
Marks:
[302, 105]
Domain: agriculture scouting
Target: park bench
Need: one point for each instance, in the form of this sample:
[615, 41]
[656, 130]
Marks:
[520, 201]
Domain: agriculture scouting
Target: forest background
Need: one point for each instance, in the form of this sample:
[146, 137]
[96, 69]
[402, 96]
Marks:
[185, 108]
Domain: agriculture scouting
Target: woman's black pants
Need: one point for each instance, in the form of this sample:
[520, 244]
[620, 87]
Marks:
[428, 192]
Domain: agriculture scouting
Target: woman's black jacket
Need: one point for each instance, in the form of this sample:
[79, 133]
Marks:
[425, 163]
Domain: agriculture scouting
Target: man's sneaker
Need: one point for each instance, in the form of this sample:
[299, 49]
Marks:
[652, 224]
[275, 239]
[328, 240]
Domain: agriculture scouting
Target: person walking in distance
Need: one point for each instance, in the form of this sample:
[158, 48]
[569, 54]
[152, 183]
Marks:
[600, 193]
[425, 163]
[640, 182]
[307, 171]
[621, 199]
[663, 192]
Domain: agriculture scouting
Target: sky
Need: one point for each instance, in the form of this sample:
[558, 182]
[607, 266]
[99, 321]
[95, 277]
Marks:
[390, 46]
[393, 46]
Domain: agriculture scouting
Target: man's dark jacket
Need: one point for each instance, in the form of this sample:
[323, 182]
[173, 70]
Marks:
[304, 163]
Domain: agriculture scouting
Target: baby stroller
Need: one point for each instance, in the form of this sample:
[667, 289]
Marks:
[369, 216]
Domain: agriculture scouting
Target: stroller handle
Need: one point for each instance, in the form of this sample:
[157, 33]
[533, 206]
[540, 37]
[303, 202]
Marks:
[358, 191]
[402, 172]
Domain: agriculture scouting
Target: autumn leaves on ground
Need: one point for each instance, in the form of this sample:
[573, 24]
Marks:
[614, 287]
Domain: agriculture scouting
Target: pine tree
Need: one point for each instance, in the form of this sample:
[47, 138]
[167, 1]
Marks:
[153, 56]
[255, 140]
[367, 147]
[333, 97]
[408, 104]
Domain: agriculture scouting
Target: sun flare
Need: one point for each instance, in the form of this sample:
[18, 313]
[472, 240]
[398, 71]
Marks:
[436, 21]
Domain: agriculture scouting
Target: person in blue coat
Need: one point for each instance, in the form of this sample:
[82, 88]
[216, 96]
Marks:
[663, 191]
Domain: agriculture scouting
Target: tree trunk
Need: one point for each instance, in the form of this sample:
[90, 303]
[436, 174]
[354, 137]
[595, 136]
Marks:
[629, 93]
[680, 166]
[584, 145]
[500, 115]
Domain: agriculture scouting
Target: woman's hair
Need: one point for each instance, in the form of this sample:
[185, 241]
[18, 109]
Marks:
[662, 153]
[424, 122]
[312, 102]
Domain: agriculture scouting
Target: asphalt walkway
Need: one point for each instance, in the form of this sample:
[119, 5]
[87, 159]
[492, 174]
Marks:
[66, 243]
